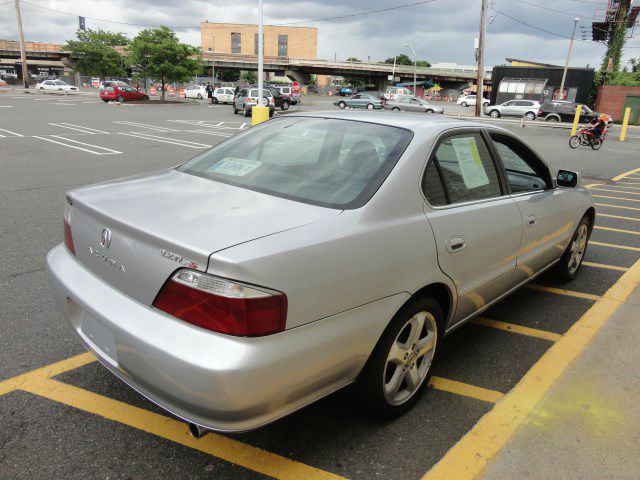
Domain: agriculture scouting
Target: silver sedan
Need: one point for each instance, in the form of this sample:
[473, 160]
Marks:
[412, 104]
[307, 253]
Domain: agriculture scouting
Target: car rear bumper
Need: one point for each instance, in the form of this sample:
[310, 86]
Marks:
[221, 382]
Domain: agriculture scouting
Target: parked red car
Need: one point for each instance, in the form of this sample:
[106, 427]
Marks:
[122, 94]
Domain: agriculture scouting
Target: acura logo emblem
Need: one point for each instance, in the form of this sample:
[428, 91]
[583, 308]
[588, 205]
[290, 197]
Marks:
[105, 238]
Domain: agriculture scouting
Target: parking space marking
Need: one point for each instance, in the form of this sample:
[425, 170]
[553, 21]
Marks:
[225, 448]
[618, 198]
[465, 389]
[51, 370]
[217, 133]
[619, 230]
[619, 217]
[628, 183]
[628, 174]
[614, 191]
[468, 459]
[145, 125]
[616, 206]
[174, 141]
[560, 291]
[611, 245]
[79, 128]
[105, 151]
[622, 187]
[602, 265]
[511, 327]
[9, 131]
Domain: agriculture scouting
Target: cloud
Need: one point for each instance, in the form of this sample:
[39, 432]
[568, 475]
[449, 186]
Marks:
[440, 31]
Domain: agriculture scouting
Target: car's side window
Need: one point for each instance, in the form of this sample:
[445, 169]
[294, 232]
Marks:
[525, 171]
[432, 186]
[465, 167]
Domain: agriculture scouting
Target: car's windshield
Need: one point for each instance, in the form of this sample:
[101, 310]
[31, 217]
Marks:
[327, 162]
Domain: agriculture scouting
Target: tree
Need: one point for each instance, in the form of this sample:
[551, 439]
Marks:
[635, 65]
[93, 53]
[158, 54]
[227, 74]
[249, 76]
[404, 59]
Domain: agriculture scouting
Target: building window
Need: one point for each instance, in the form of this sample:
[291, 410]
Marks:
[236, 41]
[283, 45]
[255, 40]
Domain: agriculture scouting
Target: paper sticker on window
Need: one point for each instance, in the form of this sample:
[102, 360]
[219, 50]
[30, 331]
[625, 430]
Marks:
[471, 167]
[237, 167]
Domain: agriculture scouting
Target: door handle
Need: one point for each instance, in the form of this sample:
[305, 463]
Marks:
[531, 220]
[455, 244]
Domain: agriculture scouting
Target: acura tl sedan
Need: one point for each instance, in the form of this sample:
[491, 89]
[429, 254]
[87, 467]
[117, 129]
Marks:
[308, 253]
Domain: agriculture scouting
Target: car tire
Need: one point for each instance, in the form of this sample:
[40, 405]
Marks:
[552, 118]
[271, 113]
[120, 98]
[494, 114]
[429, 111]
[285, 106]
[214, 100]
[406, 368]
[369, 106]
[530, 116]
[569, 265]
[105, 100]
[464, 104]
[246, 112]
[342, 105]
[199, 96]
[396, 109]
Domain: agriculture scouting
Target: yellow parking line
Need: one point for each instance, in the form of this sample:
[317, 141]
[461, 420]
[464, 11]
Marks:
[511, 327]
[614, 191]
[227, 449]
[611, 245]
[47, 371]
[468, 459]
[465, 389]
[602, 265]
[630, 173]
[618, 198]
[619, 217]
[619, 230]
[560, 291]
[623, 186]
[616, 206]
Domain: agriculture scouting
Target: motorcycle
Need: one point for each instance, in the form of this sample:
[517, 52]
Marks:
[586, 138]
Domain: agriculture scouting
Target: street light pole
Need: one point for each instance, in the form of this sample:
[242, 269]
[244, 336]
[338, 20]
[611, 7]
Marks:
[566, 63]
[260, 52]
[213, 60]
[480, 77]
[23, 49]
[415, 67]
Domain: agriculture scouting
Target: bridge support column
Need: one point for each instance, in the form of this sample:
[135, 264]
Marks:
[300, 77]
[381, 84]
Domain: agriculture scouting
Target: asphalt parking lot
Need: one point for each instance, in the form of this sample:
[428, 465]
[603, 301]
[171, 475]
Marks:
[63, 415]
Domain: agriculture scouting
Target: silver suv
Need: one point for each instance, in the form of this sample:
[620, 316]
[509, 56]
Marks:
[514, 108]
[247, 98]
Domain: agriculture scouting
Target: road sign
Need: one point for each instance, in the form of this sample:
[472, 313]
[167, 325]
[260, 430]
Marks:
[295, 87]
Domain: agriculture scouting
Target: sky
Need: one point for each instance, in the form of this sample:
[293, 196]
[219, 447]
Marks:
[439, 30]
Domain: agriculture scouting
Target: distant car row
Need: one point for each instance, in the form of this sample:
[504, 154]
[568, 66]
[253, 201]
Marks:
[377, 101]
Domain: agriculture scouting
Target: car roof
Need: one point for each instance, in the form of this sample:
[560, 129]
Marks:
[408, 121]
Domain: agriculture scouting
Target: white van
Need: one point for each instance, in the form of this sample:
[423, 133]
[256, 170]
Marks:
[393, 93]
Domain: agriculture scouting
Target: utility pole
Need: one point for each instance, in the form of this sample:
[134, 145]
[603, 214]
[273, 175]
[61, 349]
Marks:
[213, 60]
[566, 63]
[480, 77]
[260, 53]
[23, 49]
[415, 67]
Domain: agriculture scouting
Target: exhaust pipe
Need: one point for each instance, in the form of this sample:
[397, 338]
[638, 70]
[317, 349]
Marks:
[196, 431]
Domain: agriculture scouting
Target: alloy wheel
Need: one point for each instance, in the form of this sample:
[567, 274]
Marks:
[409, 358]
[578, 247]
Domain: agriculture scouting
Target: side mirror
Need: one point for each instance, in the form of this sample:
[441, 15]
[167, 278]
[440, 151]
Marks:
[567, 178]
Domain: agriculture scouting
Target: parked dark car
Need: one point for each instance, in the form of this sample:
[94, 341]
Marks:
[561, 111]
[282, 100]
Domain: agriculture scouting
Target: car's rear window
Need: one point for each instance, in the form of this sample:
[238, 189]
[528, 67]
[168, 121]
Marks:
[327, 162]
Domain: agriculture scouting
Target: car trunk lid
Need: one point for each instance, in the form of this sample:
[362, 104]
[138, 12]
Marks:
[133, 233]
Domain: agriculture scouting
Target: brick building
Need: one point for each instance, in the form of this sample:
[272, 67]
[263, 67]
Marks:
[614, 100]
[242, 39]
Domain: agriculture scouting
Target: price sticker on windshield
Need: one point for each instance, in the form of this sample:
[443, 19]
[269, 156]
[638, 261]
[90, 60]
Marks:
[237, 167]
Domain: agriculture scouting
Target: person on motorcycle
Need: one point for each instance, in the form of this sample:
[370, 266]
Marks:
[597, 126]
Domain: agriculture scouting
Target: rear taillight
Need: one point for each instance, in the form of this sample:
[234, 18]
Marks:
[222, 305]
[249, 99]
[68, 238]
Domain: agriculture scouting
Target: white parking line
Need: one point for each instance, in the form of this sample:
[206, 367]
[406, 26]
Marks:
[146, 125]
[211, 132]
[79, 128]
[174, 141]
[106, 151]
[6, 106]
[9, 131]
